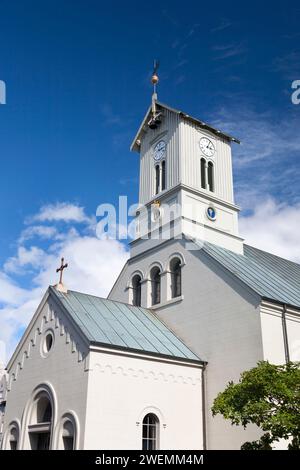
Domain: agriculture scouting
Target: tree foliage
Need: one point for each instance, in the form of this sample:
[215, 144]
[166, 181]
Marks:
[268, 396]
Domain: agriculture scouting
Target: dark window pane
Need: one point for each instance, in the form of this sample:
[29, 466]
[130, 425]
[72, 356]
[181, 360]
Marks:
[43, 441]
[176, 277]
[155, 282]
[203, 176]
[157, 179]
[163, 175]
[211, 176]
[150, 432]
[68, 442]
[137, 290]
[13, 445]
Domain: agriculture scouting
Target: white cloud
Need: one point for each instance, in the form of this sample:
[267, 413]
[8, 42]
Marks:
[25, 257]
[40, 231]
[10, 292]
[274, 228]
[61, 211]
[93, 266]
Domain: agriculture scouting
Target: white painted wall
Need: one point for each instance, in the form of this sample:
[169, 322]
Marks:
[123, 389]
[62, 370]
[293, 334]
[273, 332]
[217, 317]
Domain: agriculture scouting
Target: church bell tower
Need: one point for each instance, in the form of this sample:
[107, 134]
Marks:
[186, 184]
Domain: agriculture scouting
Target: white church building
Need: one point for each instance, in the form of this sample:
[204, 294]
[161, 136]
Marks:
[193, 307]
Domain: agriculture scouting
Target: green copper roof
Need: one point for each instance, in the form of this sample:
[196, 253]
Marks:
[270, 276]
[122, 326]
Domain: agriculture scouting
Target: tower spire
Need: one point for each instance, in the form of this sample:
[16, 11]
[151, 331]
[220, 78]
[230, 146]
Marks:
[155, 119]
[154, 81]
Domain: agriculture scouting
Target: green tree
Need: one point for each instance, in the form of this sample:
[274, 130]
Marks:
[268, 396]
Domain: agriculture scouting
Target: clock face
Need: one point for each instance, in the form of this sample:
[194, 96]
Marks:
[159, 150]
[207, 146]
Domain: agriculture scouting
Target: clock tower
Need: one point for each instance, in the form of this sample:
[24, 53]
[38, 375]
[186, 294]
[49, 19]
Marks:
[186, 184]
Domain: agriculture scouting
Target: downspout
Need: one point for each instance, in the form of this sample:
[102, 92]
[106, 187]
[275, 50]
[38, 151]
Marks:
[285, 335]
[203, 382]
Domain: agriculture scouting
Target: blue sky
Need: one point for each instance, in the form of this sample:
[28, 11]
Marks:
[77, 77]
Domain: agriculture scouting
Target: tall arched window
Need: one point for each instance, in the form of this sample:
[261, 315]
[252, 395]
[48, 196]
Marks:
[156, 179]
[155, 284]
[211, 176]
[137, 290]
[68, 435]
[40, 426]
[163, 175]
[203, 173]
[175, 268]
[150, 432]
[13, 438]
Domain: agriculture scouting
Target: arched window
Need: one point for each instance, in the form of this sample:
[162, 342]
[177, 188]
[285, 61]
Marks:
[211, 176]
[163, 175]
[68, 435]
[40, 426]
[68, 432]
[150, 432]
[137, 290]
[13, 438]
[156, 179]
[155, 284]
[203, 175]
[175, 268]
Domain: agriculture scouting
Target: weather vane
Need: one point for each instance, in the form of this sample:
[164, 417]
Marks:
[156, 117]
[154, 78]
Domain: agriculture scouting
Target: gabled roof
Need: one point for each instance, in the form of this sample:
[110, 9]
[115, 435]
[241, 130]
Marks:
[122, 326]
[196, 121]
[270, 276]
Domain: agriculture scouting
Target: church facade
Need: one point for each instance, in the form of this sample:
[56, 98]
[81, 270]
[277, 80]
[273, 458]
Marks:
[193, 307]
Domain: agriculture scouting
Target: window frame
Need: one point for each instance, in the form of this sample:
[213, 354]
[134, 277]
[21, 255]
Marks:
[150, 427]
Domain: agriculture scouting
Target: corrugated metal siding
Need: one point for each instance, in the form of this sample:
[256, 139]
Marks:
[117, 324]
[190, 156]
[168, 131]
[270, 276]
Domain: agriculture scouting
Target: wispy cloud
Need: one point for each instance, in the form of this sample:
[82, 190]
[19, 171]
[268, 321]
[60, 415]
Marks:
[268, 158]
[129, 180]
[61, 211]
[180, 64]
[225, 51]
[39, 231]
[110, 117]
[225, 23]
[288, 65]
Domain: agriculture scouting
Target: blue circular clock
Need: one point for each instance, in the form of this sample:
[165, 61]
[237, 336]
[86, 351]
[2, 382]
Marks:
[211, 213]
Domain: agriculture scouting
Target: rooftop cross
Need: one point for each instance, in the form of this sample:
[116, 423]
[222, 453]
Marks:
[60, 269]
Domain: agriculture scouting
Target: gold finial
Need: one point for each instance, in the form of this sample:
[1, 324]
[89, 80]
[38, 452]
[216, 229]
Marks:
[60, 286]
[156, 203]
[154, 78]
